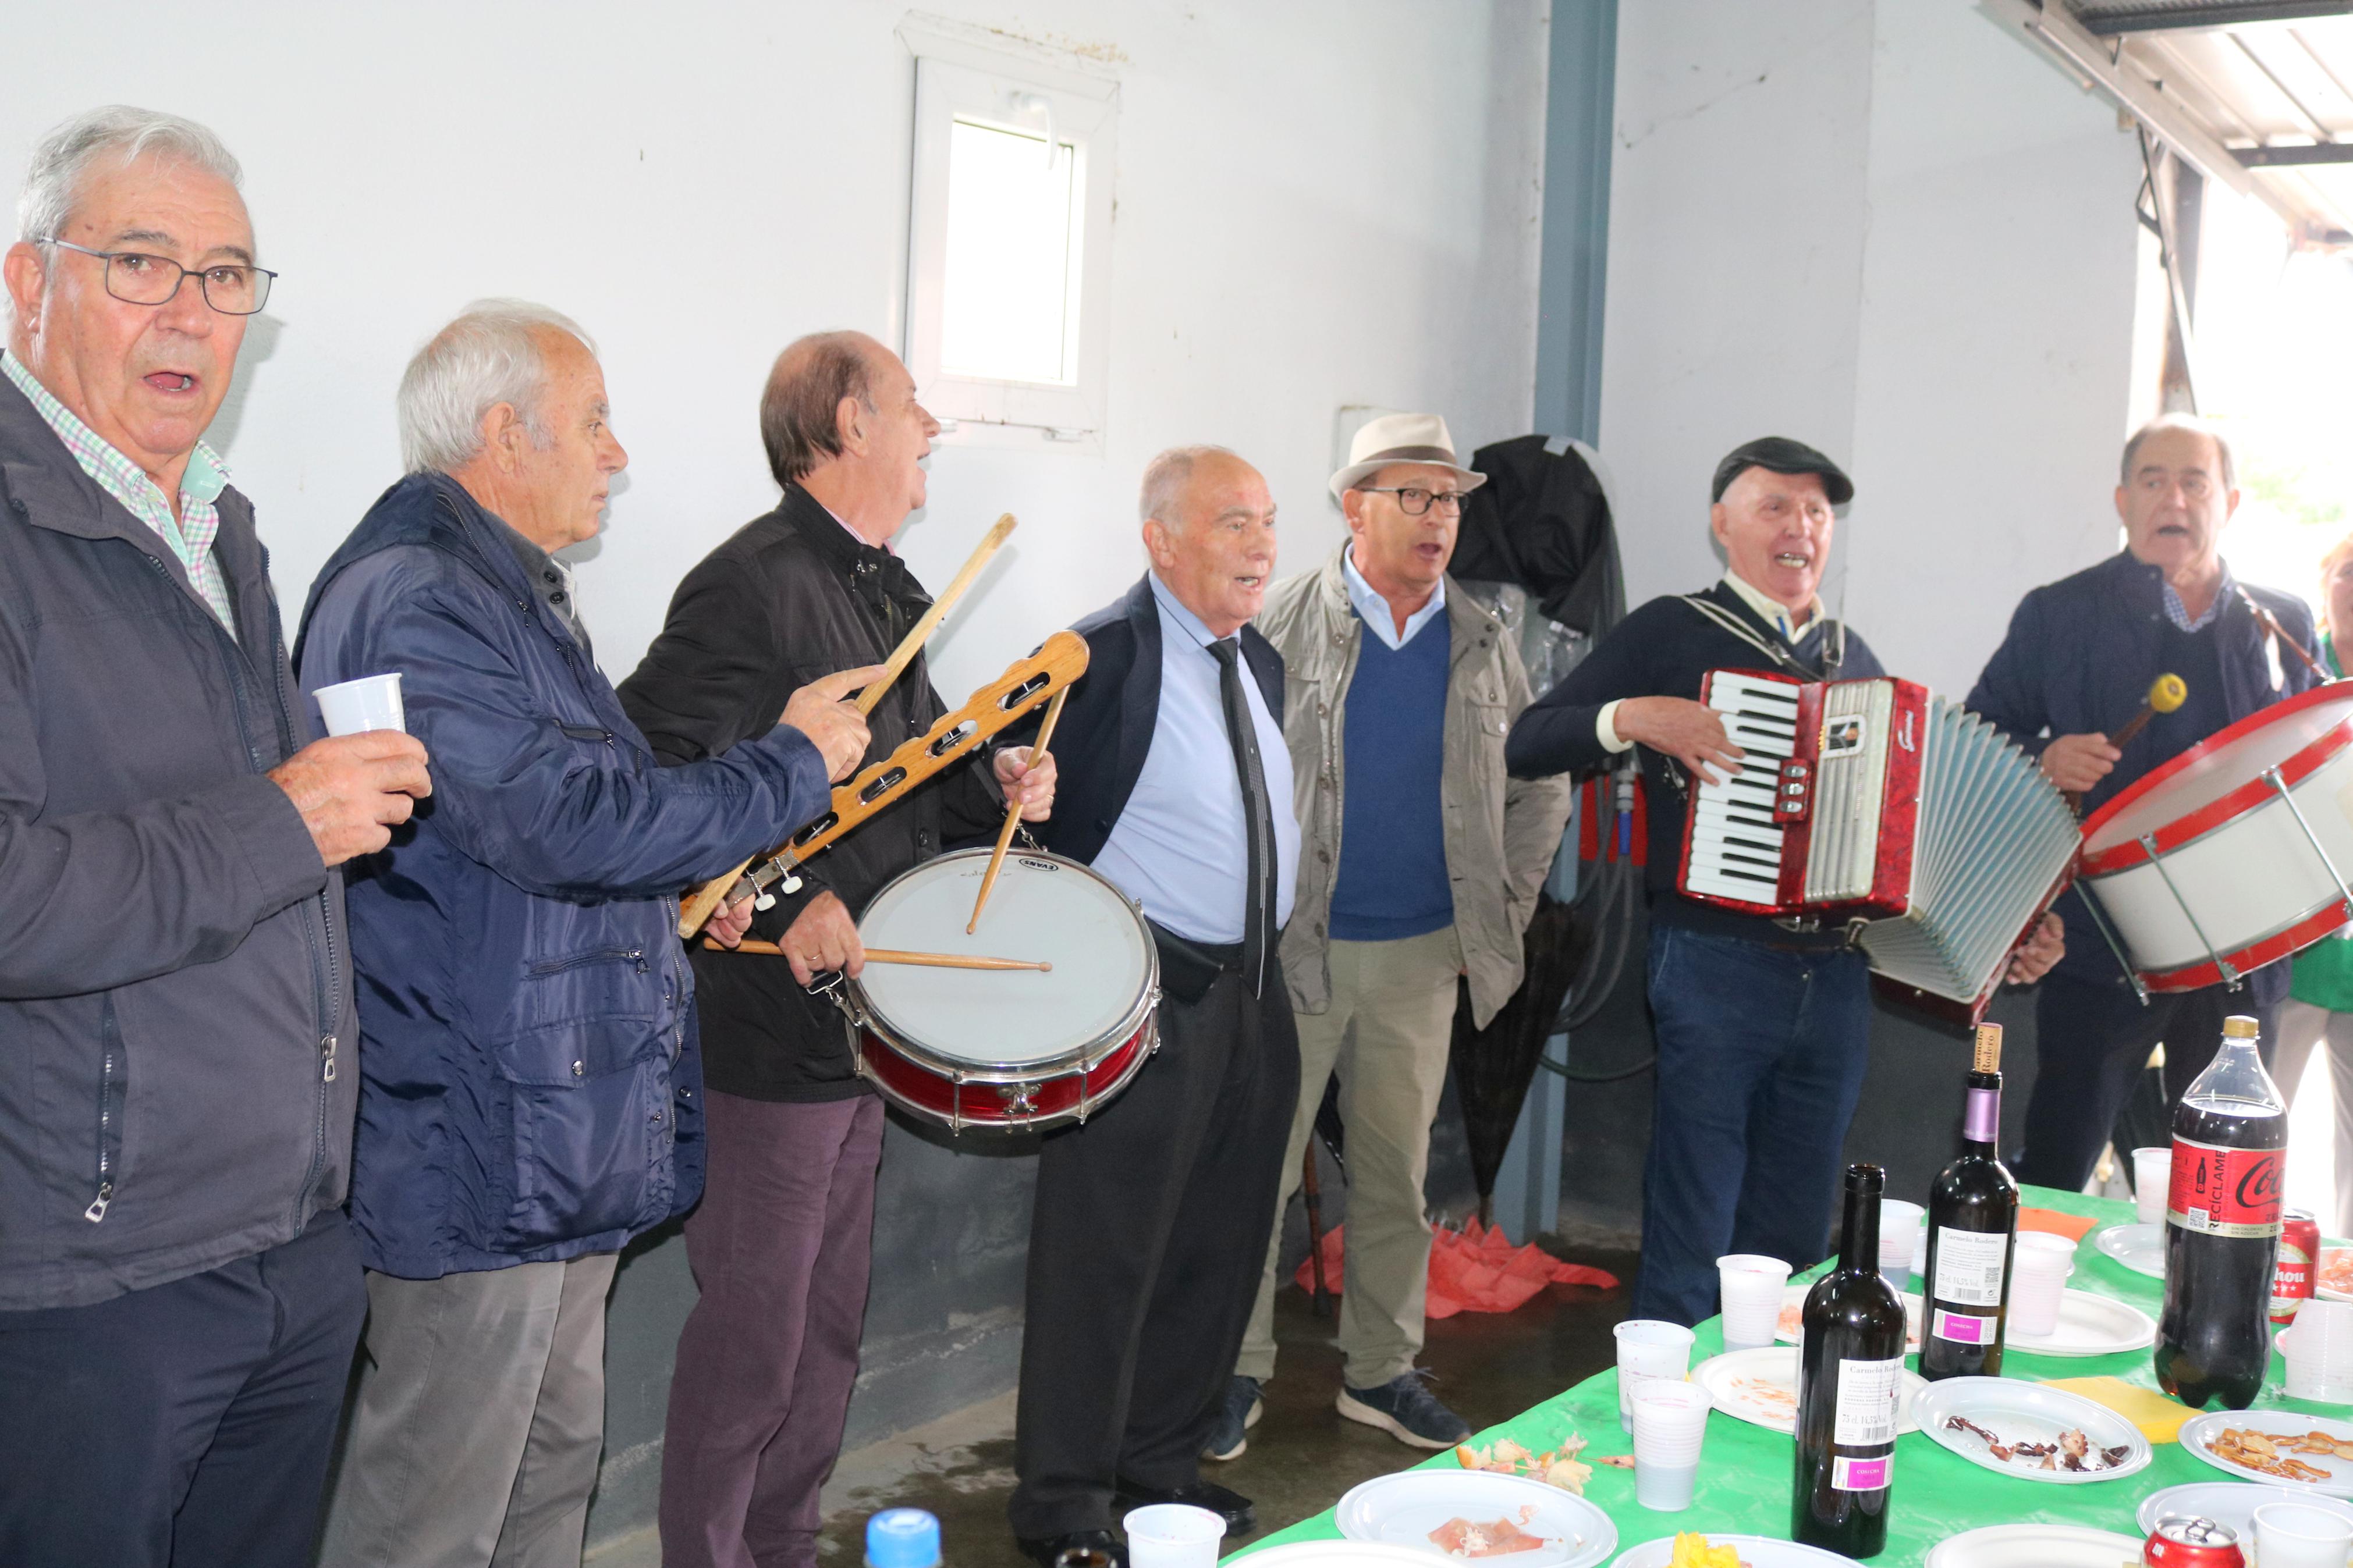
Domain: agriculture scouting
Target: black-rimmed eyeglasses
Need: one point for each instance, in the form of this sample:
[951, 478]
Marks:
[1413, 500]
[136, 278]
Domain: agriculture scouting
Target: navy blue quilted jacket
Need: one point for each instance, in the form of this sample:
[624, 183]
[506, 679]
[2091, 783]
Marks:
[530, 1081]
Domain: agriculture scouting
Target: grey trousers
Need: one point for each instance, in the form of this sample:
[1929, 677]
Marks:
[480, 1421]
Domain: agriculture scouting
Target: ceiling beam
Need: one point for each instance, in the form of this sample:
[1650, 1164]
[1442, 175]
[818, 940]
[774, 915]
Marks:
[2219, 14]
[2294, 157]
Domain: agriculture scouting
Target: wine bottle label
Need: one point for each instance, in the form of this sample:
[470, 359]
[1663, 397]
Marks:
[2224, 1192]
[1866, 1402]
[1860, 1475]
[1962, 1330]
[1968, 1266]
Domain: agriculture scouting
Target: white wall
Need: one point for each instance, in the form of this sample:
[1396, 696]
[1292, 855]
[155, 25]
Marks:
[1319, 204]
[1884, 228]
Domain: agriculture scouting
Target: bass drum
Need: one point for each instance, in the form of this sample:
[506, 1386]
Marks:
[2234, 854]
[1017, 1051]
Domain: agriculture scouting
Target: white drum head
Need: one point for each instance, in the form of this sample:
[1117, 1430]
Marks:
[1041, 908]
[2213, 771]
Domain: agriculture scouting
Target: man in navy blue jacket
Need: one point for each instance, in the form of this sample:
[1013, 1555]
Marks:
[529, 1083]
[2075, 666]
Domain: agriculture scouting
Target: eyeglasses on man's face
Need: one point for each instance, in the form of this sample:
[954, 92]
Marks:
[1413, 500]
[136, 278]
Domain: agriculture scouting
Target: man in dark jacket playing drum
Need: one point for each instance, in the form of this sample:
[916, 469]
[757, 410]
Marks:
[2079, 658]
[530, 1094]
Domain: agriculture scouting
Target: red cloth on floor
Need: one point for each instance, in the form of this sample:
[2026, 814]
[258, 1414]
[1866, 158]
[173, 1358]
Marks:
[1474, 1270]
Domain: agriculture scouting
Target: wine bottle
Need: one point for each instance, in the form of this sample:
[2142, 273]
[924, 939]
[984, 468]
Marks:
[1849, 1381]
[1972, 1228]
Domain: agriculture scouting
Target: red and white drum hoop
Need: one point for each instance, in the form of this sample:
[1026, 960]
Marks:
[2234, 854]
[1015, 1050]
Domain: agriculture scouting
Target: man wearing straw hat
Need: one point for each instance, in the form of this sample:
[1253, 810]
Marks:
[1420, 869]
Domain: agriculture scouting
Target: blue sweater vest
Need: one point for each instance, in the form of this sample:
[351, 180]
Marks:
[1392, 881]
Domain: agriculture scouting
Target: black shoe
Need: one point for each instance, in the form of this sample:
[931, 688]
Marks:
[1227, 1504]
[1043, 1550]
[1407, 1411]
[1235, 1419]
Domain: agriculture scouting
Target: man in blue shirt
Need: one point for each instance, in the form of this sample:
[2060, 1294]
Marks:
[1152, 1217]
[1422, 867]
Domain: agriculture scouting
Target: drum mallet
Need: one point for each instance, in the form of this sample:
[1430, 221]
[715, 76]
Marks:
[898, 955]
[1013, 814]
[2165, 693]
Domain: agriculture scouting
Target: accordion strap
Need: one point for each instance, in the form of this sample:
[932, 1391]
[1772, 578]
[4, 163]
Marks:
[1833, 643]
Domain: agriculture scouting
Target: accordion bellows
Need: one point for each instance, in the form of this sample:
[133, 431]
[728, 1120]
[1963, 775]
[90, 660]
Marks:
[1878, 803]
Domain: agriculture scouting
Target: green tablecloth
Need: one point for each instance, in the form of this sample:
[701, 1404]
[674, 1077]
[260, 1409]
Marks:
[1744, 1470]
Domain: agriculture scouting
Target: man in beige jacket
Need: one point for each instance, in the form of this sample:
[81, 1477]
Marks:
[1420, 864]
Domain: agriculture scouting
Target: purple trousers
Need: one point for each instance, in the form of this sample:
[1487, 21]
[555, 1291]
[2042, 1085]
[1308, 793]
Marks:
[780, 1248]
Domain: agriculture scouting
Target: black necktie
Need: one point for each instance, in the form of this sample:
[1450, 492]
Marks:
[1258, 913]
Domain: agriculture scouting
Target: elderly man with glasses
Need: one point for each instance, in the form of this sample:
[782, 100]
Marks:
[1420, 866]
[179, 1291]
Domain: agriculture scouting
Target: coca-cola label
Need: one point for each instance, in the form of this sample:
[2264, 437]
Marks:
[1860, 1475]
[2216, 1191]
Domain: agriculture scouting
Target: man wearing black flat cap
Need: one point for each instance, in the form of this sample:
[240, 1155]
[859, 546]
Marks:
[1762, 1024]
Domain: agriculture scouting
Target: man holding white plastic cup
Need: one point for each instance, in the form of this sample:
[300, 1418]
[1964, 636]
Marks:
[179, 1293]
[531, 1090]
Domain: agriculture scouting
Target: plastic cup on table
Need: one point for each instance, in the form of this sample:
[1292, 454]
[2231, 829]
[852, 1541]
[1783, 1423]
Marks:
[2152, 1175]
[2038, 1278]
[1753, 1285]
[2319, 1352]
[1173, 1535]
[1649, 1350]
[1899, 1226]
[2298, 1535]
[355, 706]
[1670, 1420]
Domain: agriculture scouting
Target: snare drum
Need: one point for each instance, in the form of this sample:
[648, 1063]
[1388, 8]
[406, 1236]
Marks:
[995, 1048]
[2234, 854]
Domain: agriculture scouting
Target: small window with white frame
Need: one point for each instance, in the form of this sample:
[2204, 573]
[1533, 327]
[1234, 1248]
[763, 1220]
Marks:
[1009, 265]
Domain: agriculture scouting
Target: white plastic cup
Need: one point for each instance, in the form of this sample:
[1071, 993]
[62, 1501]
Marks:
[2152, 1175]
[355, 706]
[1753, 1286]
[2319, 1352]
[1648, 1349]
[2298, 1535]
[1173, 1535]
[2038, 1278]
[1899, 1225]
[1670, 1422]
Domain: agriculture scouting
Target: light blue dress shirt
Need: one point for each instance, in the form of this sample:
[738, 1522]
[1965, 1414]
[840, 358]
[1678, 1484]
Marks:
[1378, 618]
[1178, 849]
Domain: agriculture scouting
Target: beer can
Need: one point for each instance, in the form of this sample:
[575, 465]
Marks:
[2299, 1259]
[2187, 1541]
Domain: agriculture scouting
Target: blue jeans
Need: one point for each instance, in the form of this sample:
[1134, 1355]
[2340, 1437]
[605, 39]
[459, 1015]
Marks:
[1761, 1054]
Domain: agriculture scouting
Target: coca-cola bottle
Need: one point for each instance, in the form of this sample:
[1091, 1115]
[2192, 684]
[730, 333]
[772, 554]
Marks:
[2221, 1228]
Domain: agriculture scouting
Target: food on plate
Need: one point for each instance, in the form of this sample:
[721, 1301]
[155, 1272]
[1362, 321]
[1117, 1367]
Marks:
[1459, 1537]
[2336, 1270]
[1558, 1467]
[1615, 1461]
[1692, 1551]
[2270, 1452]
[2071, 1450]
[1777, 1401]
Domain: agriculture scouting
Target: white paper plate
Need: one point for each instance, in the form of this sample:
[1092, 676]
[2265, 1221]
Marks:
[1339, 1554]
[2334, 1279]
[2089, 1325]
[2199, 1432]
[1793, 1306]
[1754, 1549]
[2139, 1248]
[1760, 1387]
[2026, 1411]
[1403, 1509]
[2035, 1546]
[2229, 1502]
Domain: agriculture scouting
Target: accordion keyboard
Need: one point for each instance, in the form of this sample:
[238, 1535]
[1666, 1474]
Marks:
[1735, 850]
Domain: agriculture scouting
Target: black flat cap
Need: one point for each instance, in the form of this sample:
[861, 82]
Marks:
[1782, 455]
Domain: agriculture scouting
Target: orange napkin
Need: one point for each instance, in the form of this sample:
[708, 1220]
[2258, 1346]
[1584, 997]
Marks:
[1474, 1269]
[2073, 1227]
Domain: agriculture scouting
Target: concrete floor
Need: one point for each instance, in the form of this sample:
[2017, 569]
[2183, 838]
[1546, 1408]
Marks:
[1302, 1456]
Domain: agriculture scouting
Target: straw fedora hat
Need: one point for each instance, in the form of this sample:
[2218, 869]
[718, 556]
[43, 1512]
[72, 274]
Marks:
[1400, 439]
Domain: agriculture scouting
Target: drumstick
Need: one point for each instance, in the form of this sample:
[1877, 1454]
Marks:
[2165, 693]
[703, 902]
[1013, 814]
[913, 643]
[898, 955]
